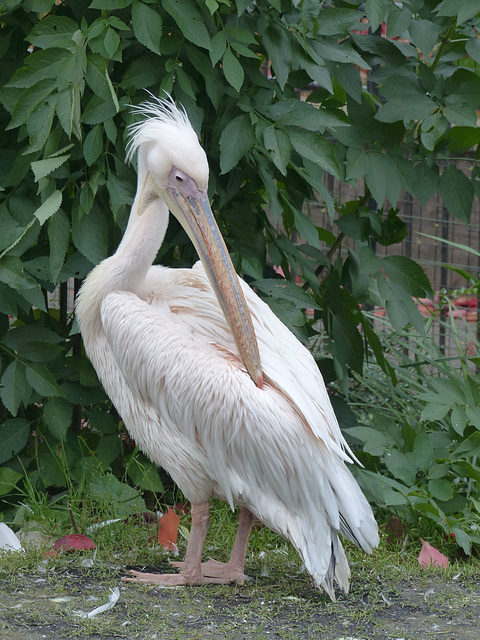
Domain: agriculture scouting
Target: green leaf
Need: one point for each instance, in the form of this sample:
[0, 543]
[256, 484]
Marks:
[110, 5]
[373, 441]
[27, 102]
[459, 112]
[147, 26]
[90, 235]
[440, 489]
[314, 175]
[58, 236]
[472, 47]
[144, 474]
[401, 465]
[51, 205]
[283, 289]
[384, 490]
[122, 499]
[378, 178]
[424, 34]
[111, 42]
[473, 414]
[297, 113]
[406, 100]
[279, 50]
[185, 82]
[463, 10]
[98, 110]
[13, 436]
[57, 414]
[349, 79]
[457, 192]
[336, 52]
[398, 22]
[121, 193]
[463, 86]
[335, 21]
[376, 12]
[306, 228]
[53, 31]
[252, 267]
[42, 168]
[434, 412]
[42, 380]
[426, 181]
[11, 272]
[34, 296]
[8, 301]
[409, 274]
[347, 343]
[14, 388]
[278, 142]
[190, 21]
[461, 139]
[96, 76]
[93, 145]
[232, 70]
[218, 46]
[314, 147]
[39, 66]
[399, 305]
[8, 480]
[68, 110]
[40, 123]
[462, 539]
[433, 129]
[236, 139]
[459, 420]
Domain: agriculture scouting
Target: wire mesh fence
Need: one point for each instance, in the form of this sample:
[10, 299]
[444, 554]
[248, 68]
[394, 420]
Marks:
[429, 225]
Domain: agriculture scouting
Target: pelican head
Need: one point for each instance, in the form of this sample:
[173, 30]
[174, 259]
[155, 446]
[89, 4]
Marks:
[175, 170]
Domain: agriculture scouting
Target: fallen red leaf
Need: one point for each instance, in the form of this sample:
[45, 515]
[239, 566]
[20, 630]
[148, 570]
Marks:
[74, 542]
[168, 530]
[429, 555]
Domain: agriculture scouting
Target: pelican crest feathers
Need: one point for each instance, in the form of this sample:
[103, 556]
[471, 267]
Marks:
[159, 115]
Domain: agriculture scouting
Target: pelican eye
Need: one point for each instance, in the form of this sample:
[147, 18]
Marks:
[178, 178]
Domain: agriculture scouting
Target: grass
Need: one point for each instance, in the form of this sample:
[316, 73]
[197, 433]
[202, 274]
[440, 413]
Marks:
[282, 604]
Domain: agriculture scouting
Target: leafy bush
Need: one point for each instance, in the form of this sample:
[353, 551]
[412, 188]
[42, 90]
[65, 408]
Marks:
[420, 437]
[69, 74]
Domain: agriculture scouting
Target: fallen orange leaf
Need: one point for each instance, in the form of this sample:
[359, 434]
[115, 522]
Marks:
[429, 555]
[168, 530]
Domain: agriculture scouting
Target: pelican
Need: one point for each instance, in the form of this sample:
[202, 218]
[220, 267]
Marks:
[209, 382]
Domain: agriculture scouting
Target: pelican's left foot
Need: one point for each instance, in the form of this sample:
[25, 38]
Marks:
[218, 572]
[165, 579]
[213, 575]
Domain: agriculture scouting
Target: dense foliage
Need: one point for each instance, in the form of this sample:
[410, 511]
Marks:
[69, 73]
[420, 438]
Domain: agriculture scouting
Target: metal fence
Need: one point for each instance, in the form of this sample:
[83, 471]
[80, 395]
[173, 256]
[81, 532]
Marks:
[428, 226]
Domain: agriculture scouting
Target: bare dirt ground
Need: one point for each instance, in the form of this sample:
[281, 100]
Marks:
[390, 604]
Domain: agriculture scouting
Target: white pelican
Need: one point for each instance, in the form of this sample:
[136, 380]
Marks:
[209, 382]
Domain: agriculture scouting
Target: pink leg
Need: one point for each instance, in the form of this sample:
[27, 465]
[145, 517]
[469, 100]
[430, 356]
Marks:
[191, 572]
[231, 571]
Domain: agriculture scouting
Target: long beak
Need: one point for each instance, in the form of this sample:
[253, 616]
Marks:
[195, 215]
